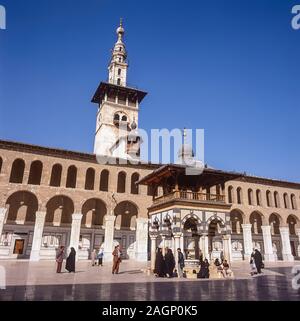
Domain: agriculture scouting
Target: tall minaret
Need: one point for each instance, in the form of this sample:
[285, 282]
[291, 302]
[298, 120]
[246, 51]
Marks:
[118, 64]
[118, 107]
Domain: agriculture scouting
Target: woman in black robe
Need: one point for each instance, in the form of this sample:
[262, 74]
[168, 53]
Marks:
[159, 269]
[70, 263]
[204, 270]
[170, 263]
[258, 260]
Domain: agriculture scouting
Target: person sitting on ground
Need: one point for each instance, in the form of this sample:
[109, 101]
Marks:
[226, 269]
[219, 267]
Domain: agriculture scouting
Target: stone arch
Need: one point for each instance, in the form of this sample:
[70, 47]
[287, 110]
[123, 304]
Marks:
[104, 180]
[89, 179]
[35, 173]
[293, 201]
[292, 221]
[256, 220]
[59, 210]
[126, 213]
[55, 179]
[17, 171]
[134, 187]
[276, 199]
[230, 194]
[215, 225]
[121, 184]
[93, 211]
[191, 215]
[275, 221]
[236, 220]
[22, 207]
[250, 197]
[71, 177]
[269, 198]
[286, 201]
[239, 195]
[191, 221]
[258, 198]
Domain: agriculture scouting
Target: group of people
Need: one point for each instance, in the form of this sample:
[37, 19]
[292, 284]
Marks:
[223, 267]
[70, 261]
[256, 262]
[165, 264]
[97, 256]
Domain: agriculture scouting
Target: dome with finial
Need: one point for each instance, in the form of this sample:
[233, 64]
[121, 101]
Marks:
[120, 29]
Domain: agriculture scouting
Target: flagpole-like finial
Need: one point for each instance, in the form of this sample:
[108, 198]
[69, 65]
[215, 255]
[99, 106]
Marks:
[121, 22]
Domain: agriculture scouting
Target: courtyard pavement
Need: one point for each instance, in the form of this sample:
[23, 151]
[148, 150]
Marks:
[37, 281]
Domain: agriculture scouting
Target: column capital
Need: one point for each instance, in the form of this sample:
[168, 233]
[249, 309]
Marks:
[284, 230]
[177, 235]
[76, 216]
[246, 226]
[109, 218]
[266, 228]
[40, 214]
[226, 236]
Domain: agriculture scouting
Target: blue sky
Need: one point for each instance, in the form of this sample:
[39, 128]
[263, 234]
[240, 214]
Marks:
[230, 67]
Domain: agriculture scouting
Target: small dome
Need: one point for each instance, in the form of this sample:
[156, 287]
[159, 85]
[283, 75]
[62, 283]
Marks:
[120, 30]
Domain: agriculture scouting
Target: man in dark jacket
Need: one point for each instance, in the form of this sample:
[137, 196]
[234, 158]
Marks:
[180, 263]
[258, 260]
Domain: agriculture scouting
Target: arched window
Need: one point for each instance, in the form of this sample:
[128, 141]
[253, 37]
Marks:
[239, 195]
[56, 175]
[89, 179]
[124, 118]
[134, 187]
[256, 221]
[276, 199]
[116, 117]
[274, 223]
[17, 171]
[250, 196]
[292, 224]
[286, 200]
[104, 180]
[118, 81]
[121, 182]
[71, 177]
[119, 72]
[35, 173]
[269, 198]
[1, 163]
[258, 197]
[293, 202]
[230, 198]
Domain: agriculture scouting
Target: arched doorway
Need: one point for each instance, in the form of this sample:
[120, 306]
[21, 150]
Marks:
[215, 241]
[20, 220]
[92, 227]
[275, 223]
[59, 210]
[191, 239]
[292, 222]
[126, 213]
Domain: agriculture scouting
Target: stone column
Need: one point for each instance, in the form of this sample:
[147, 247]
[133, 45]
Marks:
[227, 247]
[141, 252]
[298, 247]
[247, 236]
[177, 237]
[269, 255]
[204, 247]
[286, 245]
[109, 237]
[75, 232]
[153, 238]
[3, 212]
[163, 245]
[37, 236]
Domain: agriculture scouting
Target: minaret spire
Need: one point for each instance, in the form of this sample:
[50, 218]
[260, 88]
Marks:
[118, 64]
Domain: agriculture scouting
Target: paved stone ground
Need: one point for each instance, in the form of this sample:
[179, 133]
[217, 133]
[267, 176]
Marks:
[37, 281]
